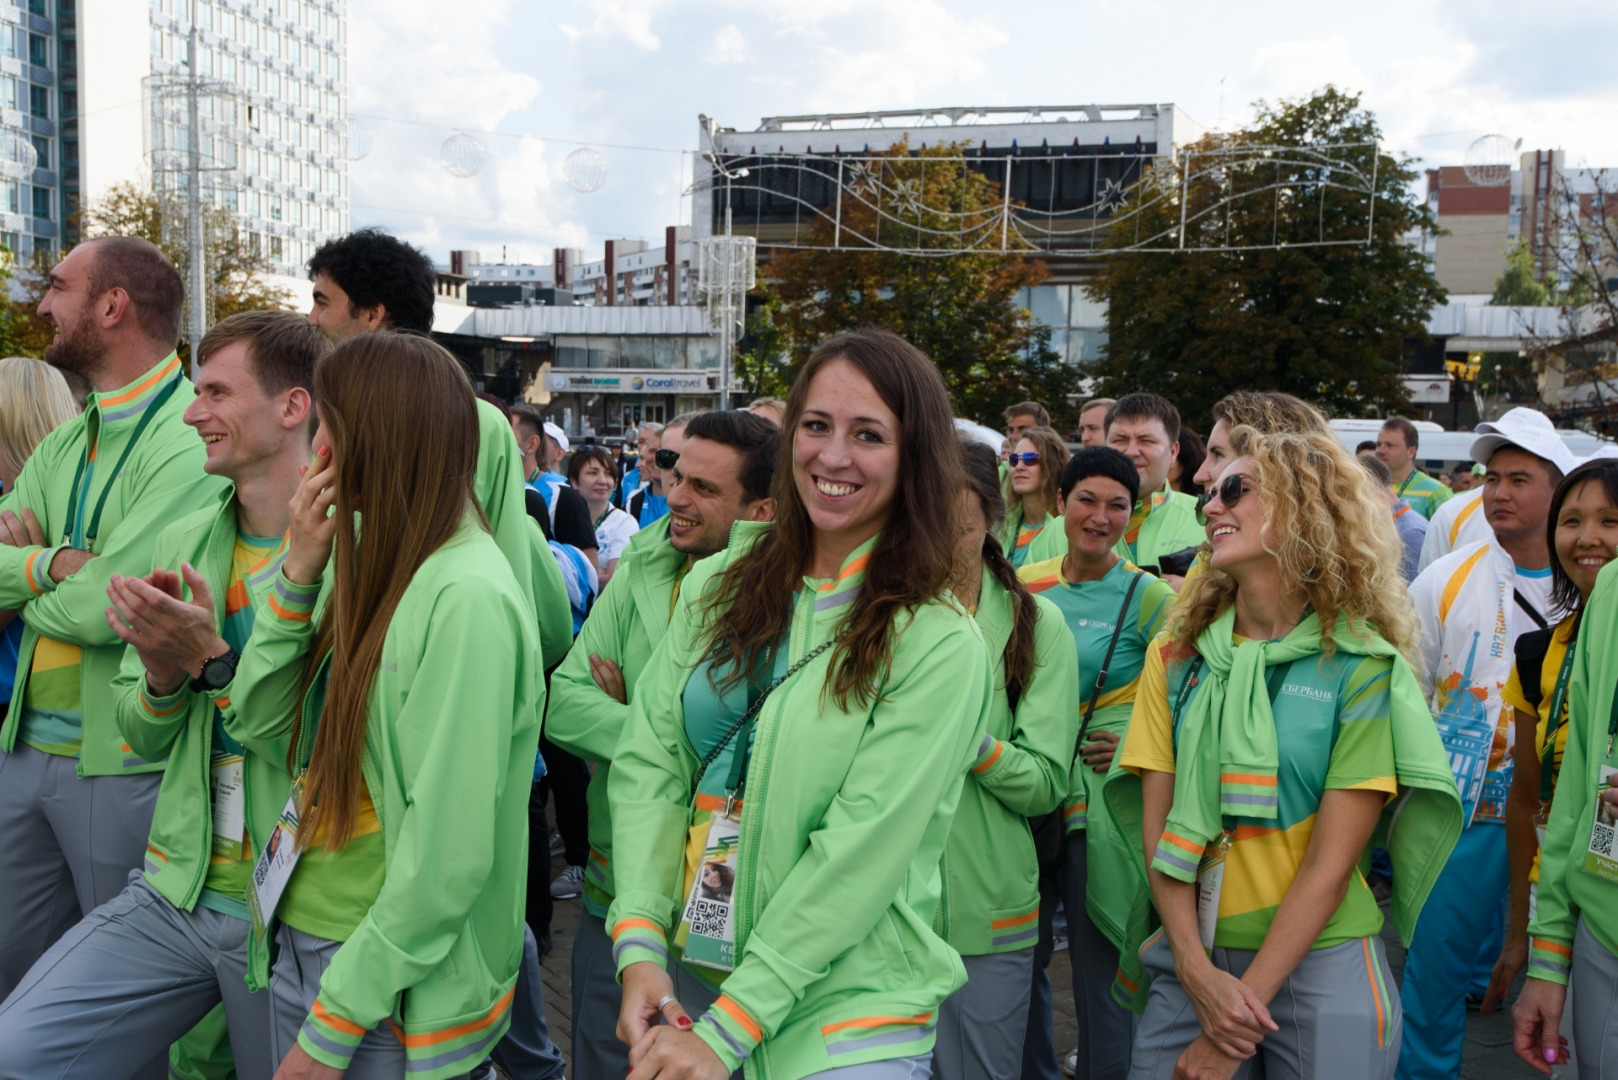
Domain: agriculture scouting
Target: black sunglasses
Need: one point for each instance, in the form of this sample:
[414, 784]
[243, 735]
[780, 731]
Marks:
[1230, 492]
[666, 459]
[1030, 458]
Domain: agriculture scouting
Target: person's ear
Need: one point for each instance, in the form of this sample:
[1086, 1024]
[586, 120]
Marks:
[762, 510]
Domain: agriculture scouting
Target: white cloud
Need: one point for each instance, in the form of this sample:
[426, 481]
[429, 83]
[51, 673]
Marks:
[629, 19]
[729, 46]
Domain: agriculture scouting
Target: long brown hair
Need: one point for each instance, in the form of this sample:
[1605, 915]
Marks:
[1333, 538]
[1052, 460]
[403, 425]
[983, 480]
[751, 607]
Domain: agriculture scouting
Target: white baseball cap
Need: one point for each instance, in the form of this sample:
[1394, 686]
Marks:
[555, 432]
[1526, 429]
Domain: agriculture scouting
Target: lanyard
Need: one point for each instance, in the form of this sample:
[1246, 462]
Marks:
[742, 727]
[1185, 689]
[1413, 474]
[1553, 723]
[75, 508]
[1612, 723]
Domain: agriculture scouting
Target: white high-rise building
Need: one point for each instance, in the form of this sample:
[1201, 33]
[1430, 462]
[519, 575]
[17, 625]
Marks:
[92, 86]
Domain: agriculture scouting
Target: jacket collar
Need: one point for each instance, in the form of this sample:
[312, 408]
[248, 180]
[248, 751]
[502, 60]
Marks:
[128, 402]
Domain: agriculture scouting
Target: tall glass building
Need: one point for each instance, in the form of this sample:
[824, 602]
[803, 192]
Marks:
[96, 87]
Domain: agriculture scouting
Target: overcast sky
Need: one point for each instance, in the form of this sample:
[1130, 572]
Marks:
[534, 80]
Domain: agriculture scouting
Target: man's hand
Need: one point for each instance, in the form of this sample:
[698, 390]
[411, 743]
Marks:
[1513, 957]
[313, 524]
[1099, 749]
[170, 634]
[298, 1065]
[609, 678]
[67, 562]
[1202, 1060]
[666, 1053]
[21, 531]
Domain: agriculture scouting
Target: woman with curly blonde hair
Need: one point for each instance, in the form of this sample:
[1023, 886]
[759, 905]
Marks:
[1276, 717]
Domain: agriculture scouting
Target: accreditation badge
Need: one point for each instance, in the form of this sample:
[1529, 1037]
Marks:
[229, 815]
[1599, 859]
[274, 867]
[1210, 883]
[707, 931]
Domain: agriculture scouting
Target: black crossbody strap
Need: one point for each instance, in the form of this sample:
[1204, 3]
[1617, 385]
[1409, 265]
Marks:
[1522, 602]
[1106, 663]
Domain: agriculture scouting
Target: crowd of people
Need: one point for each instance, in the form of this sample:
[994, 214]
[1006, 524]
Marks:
[845, 720]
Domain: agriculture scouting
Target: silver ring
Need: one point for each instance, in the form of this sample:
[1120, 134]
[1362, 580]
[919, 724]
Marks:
[664, 1000]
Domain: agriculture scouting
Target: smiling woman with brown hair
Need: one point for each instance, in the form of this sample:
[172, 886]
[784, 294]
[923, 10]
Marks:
[808, 720]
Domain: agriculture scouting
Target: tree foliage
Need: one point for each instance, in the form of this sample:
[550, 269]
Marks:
[237, 275]
[762, 361]
[1330, 324]
[959, 307]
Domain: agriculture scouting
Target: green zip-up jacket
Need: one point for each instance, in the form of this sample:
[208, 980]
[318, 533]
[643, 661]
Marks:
[161, 480]
[449, 759]
[1568, 892]
[499, 487]
[627, 622]
[180, 727]
[1171, 526]
[991, 872]
[844, 822]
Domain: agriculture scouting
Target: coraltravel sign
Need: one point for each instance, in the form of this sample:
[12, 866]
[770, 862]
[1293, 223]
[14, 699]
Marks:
[629, 382]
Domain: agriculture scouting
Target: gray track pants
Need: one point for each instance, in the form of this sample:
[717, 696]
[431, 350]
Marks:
[597, 1053]
[1594, 1007]
[981, 1025]
[66, 847]
[134, 976]
[1338, 1012]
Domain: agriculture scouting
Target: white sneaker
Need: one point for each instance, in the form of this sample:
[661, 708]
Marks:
[1070, 1064]
[568, 884]
[556, 842]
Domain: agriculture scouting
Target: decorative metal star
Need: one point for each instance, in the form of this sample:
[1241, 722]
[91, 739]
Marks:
[1112, 195]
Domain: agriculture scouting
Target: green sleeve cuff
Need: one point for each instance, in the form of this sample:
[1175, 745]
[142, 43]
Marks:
[1177, 856]
[36, 569]
[165, 707]
[1550, 960]
[989, 752]
[638, 941]
[328, 1038]
[729, 1031]
[290, 601]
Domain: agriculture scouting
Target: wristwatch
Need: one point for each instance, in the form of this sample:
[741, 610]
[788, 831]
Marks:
[217, 672]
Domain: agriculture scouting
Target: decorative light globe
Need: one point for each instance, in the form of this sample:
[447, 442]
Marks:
[1488, 161]
[585, 170]
[462, 155]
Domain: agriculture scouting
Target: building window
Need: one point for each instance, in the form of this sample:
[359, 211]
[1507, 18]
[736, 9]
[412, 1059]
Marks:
[39, 101]
[68, 53]
[42, 203]
[38, 51]
[11, 193]
[70, 104]
[38, 7]
[275, 248]
[42, 151]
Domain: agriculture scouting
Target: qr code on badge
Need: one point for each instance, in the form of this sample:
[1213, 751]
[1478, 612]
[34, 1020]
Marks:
[1601, 839]
[708, 917]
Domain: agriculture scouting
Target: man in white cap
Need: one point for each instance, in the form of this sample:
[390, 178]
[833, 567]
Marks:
[1461, 520]
[1473, 604]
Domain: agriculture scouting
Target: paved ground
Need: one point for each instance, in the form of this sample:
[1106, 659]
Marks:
[1487, 1056]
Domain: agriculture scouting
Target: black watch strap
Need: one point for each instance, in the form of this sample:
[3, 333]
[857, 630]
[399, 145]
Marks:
[217, 672]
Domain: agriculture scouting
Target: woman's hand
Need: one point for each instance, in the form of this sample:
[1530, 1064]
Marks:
[648, 998]
[666, 1053]
[1099, 749]
[1534, 1023]
[1229, 1011]
[313, 525]
[1203, 1060]
[1513, 956]
[1609, 796]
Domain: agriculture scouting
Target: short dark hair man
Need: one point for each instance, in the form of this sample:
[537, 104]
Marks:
[76, 803]
[726, 466]
[1024, 415]
[1146, 429]
[1093, 421]
[1396, 446]
[253, 412]
[369, 280]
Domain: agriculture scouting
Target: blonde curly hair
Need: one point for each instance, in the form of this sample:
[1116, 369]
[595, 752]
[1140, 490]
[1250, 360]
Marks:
[1335, 541]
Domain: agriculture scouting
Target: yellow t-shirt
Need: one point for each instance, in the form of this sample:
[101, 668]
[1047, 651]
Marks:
[1550, 669]
[1333, 731]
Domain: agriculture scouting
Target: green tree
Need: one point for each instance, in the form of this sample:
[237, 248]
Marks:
[1330, 323]
[958, 305]
[237, 273]
[762, 360]
[1510, 375]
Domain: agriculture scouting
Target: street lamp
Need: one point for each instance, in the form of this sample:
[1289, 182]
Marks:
[729, 281]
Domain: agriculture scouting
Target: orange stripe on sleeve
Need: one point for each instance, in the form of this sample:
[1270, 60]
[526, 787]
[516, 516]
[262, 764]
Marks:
[876, 1021]
[432, 1038]
[636, 924]
[1019, 920]
[738, 1014]
[1182, 843]
[347, 1027]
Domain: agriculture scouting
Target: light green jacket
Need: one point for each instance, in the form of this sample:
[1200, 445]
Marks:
[845, 818]
[991, 873]
[1567, 891]
[1171, 526]
[162, 480]
[180, 727]
[625, 626]
[449, 759]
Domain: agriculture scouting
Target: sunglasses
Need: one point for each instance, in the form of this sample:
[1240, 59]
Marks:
[1030, 458]
[666, 459]
[1229, 491]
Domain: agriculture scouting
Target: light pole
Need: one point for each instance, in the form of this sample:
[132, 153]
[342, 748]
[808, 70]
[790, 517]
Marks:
[193, 192]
